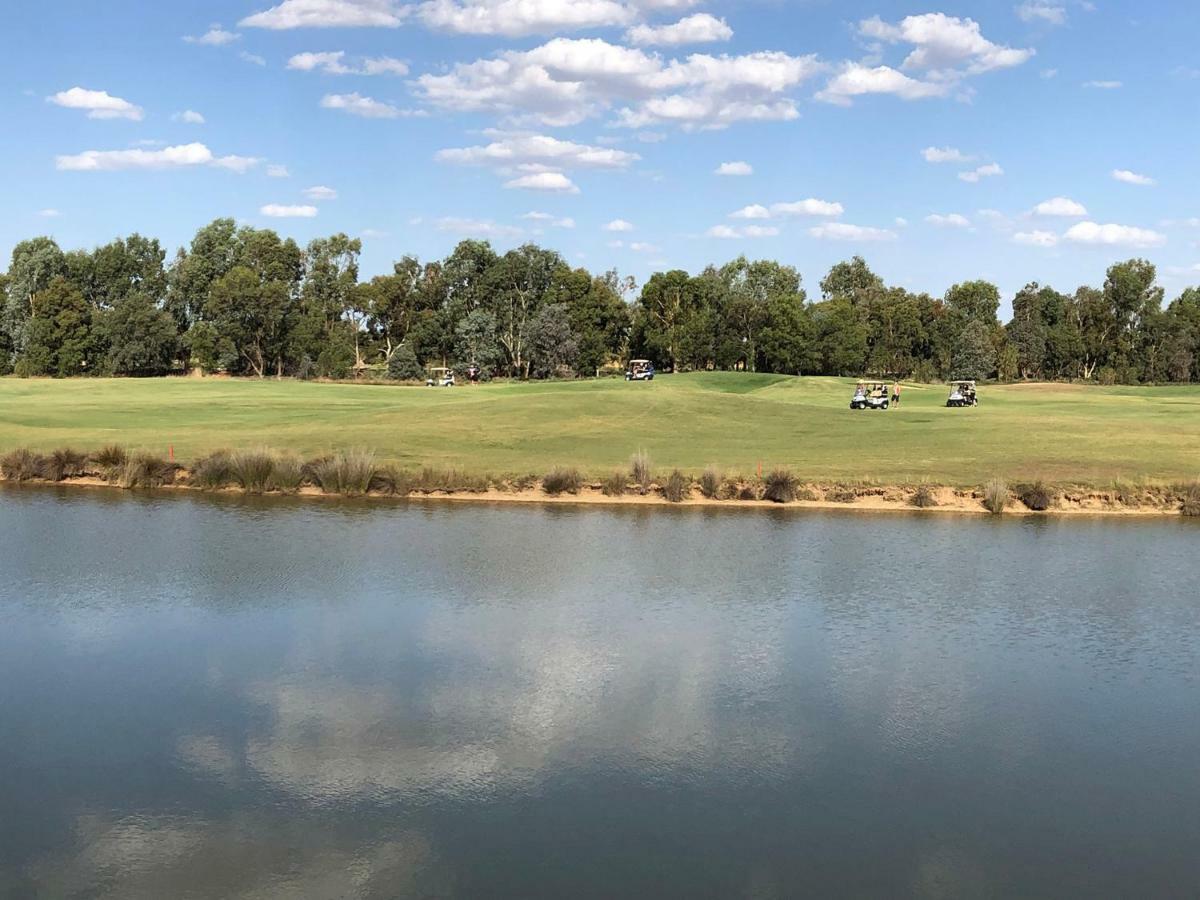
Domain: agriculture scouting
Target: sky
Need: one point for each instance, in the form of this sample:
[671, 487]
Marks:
[1036, 140]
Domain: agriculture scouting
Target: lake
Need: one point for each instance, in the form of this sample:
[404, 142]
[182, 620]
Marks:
[239, 697]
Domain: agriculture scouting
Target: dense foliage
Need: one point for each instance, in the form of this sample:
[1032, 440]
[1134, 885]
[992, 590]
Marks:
[248, 302]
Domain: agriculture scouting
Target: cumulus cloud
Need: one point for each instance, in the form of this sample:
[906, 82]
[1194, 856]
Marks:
[320, 192]
[857, 80]
[698, 29]
[754, 211]
[945, 155]
[1113, 235]
[475, 227]
[734, 169]
[180, 156]
[841, 231]
[278, 171]
[516, 18]
[990, 170]
[216, 36]
[1042, 11]
[1132, 177]
[188, 117]
[252, 58]
[279, 211]
[1036, 238]
[517, 148]
[1063, 207]
[1103, 85]
[49, 213]
[618, 225]
[328, 14]
[367, 107]
[951, 220]
[945, 45]
[332, 63]
[549, 182]
[99, 104]
[566, 81]
[549, 220]
[809, 207]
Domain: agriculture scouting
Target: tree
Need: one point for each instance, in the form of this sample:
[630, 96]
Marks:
[852, 281]
[518, 285]
[404, 366]
[35, 264]
[141, 338]
[786, 341]
[668, 301]
[552, 347]
[250, 315]
[58, 337]
[976, 300]
[975, 354]
[476, 340]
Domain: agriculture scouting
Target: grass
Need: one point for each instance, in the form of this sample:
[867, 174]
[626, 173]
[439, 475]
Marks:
[614, 485]
[1191, 500]
[677, 487]
[562, 480]
[1090, 436]
[924, 497]
[995, 496]
[1038, 496]
[780, 486]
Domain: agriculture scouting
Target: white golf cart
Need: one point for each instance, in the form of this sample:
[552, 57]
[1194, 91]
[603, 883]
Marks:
[871, 395]
[440, 378]
[962, 393]
[640, 370]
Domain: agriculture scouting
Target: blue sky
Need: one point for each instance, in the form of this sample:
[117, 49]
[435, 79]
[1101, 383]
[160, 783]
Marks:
[1066, 130]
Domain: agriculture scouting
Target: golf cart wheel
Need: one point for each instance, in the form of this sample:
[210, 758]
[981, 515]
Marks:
[885, 404]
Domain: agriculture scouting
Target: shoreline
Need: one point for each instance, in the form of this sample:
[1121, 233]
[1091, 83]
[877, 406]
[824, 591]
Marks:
[876, 499]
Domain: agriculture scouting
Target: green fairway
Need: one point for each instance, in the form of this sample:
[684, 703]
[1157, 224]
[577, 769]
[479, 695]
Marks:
[1061, 433]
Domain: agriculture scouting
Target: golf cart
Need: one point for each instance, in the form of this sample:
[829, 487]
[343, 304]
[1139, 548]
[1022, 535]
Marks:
[440, 378]
[640, 370]
[962, 393]
[871, 395]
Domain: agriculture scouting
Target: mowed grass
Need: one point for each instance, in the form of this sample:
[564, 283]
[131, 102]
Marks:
[1060, 433]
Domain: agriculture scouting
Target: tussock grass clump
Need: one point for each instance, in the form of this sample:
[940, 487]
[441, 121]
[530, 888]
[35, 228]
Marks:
[1190, 506]
[449, 481]
[1038, 496]
[780, 486]
[349, 472]
[614, 485]
[111, 460]
[640, 470]
[251, 470]
[211, 473]
[710, 483]
[995, 496]
[145, 470]
[841, 493]
[804, 492]
[677, 487]
[749, 491]
[22, 465]
[924, 497]
[390, 481]
[64, 463]
[524, 482]
[287, 475]
[562, 480]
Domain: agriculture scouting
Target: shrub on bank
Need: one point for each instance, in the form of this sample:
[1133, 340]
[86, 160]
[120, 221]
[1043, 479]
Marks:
[995, 496]
[287, 476]
[145, 470]
[1191, 500]
[22, 465]
[710, 483]
[251, 470]
[924, 497]
[211, 473]
[640, 470]
[349, 472]
[780, 486]
[562, 480]
[64, 463]
[1037, 496]
[614, 485]
[453, 481]
[841, 493]
[111, 461]
[677, 488]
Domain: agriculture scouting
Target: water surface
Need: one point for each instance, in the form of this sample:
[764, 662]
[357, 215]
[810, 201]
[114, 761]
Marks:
[238, 698]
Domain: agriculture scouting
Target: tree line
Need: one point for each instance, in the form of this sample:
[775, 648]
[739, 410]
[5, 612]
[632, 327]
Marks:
[245, 301]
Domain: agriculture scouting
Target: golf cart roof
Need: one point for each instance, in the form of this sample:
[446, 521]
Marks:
[639, 362]
[963, 381]
[437, 369]
[873, 382]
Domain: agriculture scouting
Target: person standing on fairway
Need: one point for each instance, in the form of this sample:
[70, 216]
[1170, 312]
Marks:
[896, 394]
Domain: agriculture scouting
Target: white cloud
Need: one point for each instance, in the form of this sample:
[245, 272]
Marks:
[49, 213]
[475, 227]
[367, 107]
[1060, 206]
[1036, 238]
[1113, 235]
[942, 43]
[754, 211]
[328, 14]
[724, 232]
[252, 58]
[278, 171]
[517, 148]
[856, 80]
[320, 192]
[840, 231]
[901, 222]
[617, 225]
[278, 211]
[809, 207]
[179, 156]
[331, 63]
[698, 29]
[189, 117]
[1132, 177]
[642, 247]
[565, 82]
[1048, 73]
[216, 36]
[550, 182]
[951, 220]
[1042, 11]
[976, 175]
[549, 220]
[1103, 85]
[734, 169]
[754, 231]
[99, 104]
[517, 18]
[945, 155]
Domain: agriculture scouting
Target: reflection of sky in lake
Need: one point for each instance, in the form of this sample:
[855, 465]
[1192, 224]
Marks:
[291, 699]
